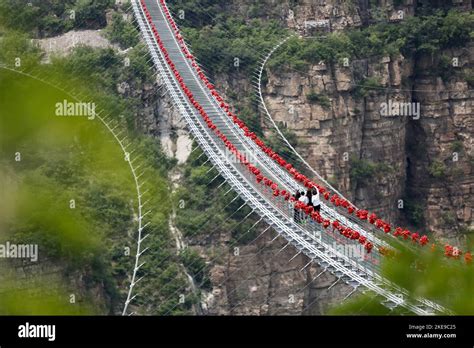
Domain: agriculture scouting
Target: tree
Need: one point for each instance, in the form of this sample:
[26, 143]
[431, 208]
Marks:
[122, 32]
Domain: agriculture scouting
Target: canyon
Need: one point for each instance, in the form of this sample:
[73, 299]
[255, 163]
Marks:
[418, 171]
[405, 188]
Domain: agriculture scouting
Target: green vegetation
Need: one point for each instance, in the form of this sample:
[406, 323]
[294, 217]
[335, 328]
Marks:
[362, 170]
[367, 85]
[199, 13]
[206, 211]
[437, 169]
[412, 36]
[234, 45]
[320, 99]
[122, 32]
[45, 18]
[414, 212]
[219, 37]
[448, 218]
[71, 192]
[298, 53]
[424, 273]
[197, 267]
[105, 68]
[444, 67]
[275, 142]
[457, 146]
[466, 231]
[14, 45]
[52, 302]
[469, 77]
[74, 158]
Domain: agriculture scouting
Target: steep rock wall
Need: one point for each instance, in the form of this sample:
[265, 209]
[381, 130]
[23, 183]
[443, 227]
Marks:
[348, 127]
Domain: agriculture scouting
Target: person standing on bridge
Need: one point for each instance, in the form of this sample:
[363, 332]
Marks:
[315, 200]
[309, 210]
[296, 213]
[305, 200]
[309, 195]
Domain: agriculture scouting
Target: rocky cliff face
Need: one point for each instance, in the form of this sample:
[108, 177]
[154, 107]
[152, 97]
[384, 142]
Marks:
[311, 16]
[265, 277]
[348, 127]
[425, 157]
[159, 118]
[440, 152]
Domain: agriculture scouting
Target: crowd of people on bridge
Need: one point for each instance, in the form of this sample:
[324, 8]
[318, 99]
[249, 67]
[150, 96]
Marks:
[309, 199]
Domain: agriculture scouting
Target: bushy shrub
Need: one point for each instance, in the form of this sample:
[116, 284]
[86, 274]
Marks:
[367, 85]
[415, 212]
[233, 46]
[437, 169]
[196, 266]
[122, 32]
[320, 99]
[362, 170]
